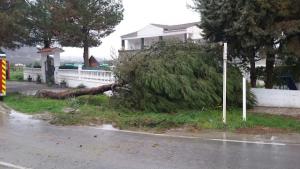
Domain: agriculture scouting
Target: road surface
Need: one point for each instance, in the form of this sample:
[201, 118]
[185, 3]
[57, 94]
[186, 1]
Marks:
[28, 143]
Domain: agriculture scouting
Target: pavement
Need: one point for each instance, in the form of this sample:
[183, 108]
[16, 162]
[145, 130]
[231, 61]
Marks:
[27, 143]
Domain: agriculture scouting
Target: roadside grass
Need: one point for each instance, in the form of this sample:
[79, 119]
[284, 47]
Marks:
[16, 75]
[32, 105]
[97, 110]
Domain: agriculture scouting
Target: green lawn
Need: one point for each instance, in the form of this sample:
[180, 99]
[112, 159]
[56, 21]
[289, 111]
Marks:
[16, 75]
[96, 109]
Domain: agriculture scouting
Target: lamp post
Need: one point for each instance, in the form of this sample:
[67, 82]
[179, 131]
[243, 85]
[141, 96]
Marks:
[224, 81]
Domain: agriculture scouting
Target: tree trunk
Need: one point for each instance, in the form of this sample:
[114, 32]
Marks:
[75, 93]
[86, 55]
[269, 70]
[253, 76]
[47, 44]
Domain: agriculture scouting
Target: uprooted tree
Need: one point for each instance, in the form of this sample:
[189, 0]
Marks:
[173, 75]
[75, 92]
[167, 77]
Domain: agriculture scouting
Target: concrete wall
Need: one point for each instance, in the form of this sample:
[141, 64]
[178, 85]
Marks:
[277, 98]
[88, 78]
[33, 73]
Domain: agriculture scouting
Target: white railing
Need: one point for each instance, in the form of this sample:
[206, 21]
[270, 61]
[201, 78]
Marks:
[32, 72]
[88, 78]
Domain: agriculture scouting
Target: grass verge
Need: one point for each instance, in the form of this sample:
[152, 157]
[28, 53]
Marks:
[97, 110]
[16, 75]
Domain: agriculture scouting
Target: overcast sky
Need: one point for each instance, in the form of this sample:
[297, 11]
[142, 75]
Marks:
[138, 14]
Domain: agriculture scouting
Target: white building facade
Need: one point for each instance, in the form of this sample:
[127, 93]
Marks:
[153, 33]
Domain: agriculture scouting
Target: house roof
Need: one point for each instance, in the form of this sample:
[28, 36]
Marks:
[93, 60]
[133, 34]
[166, 28]
[176, 27]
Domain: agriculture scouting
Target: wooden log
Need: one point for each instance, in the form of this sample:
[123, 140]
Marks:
[75, 92]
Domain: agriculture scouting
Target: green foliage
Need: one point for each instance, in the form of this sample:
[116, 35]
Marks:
[86, 22]
[33, 105]
[81, 86]
[93, 100]
[251, 28]
[16, 75]
[42, 23]
[173, 76]
[13, 30]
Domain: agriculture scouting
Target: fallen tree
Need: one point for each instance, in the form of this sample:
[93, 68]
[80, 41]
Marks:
[75, 92]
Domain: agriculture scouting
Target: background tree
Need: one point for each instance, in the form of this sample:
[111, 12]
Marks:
[43, 23]
[234, 22]
[13, 32]
[250, 27]
[86, 22]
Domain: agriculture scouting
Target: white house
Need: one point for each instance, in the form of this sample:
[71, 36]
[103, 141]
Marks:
[154, 32]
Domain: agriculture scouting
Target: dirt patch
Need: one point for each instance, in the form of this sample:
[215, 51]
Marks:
[261, 130]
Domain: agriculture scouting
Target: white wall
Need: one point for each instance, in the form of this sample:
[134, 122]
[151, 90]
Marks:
[33, 73]
[277, 98]
[195, 32]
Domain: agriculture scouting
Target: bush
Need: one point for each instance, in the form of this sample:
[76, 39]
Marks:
[81, 86]
[173, 76]
[99, 100]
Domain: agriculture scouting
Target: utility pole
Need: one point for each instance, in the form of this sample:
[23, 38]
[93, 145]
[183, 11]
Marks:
[224, 81]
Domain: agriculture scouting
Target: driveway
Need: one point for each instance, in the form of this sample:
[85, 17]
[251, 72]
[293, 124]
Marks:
[28, 88]
[29, 143]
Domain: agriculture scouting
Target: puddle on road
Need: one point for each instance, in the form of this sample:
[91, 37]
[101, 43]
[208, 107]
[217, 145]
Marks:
[15, 117]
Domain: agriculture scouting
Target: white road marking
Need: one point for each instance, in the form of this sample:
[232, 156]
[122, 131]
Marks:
[191, 137]
[4, 164]
[249, 142]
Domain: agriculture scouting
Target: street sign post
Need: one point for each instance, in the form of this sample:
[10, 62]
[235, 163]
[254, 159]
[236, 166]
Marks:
[224, 81]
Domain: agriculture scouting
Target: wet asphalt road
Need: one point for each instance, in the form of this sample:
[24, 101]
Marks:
[35, 144]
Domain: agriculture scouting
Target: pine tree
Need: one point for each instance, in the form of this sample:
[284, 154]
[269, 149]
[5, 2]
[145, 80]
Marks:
[86, 22]
[13, 32]
[235, 22]
[43, 23]
[251, 27]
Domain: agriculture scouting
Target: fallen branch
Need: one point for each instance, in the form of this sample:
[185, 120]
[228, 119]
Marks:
[75, 92]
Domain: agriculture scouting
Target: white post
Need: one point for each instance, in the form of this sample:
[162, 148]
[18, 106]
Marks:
[56, 66]
[79, 71]
[244, 99]
[224, 82]
[43, 67]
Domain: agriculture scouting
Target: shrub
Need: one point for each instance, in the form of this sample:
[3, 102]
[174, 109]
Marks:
[171, 76]
[99, 100]
[81, 86]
